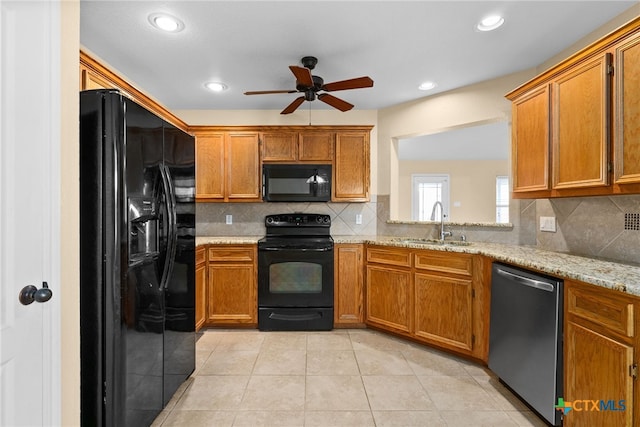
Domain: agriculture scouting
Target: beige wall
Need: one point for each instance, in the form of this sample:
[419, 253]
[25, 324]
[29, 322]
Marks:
[472, 184]
[70, 220]
[482, 102]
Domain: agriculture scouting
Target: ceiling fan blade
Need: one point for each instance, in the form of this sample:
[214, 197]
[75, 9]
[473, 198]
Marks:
[266, 92]
[303, 75]
[293, 106]
[356, 83]
[335, 102]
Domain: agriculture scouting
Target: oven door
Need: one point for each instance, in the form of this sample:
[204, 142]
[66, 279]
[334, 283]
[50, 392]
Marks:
[301, 277]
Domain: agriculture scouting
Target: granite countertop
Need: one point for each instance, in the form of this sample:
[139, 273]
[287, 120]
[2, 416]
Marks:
[608, 274]
[227, 240]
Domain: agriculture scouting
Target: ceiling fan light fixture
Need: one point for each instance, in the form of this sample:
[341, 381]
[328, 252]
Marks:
[216, 86]
[427, 85]
[166, 22]
[490, 23]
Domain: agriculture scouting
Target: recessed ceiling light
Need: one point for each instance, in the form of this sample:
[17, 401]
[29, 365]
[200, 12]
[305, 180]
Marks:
[216, 86]
[427, 86]
[490, 23]
[166, 22]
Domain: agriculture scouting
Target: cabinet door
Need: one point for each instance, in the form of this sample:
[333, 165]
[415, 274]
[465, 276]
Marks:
[597, 367]
[351, 167]
[580, 117]
[348, 295]
[315, 147]
[201, 283]
[231, 294]
[210, 166]
[627, 114]
[279, 146]
[90, 80]
[389, 299]
[530, 141]
[443, 310]
[243, 166]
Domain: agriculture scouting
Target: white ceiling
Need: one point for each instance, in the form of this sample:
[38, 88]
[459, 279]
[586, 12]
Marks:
[249, 45]
[487, 141]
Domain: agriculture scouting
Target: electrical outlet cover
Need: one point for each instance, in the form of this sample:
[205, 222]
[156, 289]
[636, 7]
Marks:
[548, 223]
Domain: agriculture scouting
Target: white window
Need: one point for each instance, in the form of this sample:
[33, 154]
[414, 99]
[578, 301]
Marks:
[502, 199]
[426, 190]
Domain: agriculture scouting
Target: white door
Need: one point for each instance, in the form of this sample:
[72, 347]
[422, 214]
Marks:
[29, 211]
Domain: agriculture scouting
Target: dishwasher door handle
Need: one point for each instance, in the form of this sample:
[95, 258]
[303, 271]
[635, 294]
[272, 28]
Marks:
[543, 286]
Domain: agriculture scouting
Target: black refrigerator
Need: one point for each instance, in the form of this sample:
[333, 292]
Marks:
[137, 260]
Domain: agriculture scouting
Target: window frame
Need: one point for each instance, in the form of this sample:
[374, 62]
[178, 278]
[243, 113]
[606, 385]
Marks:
[421, 178]
[500, 204]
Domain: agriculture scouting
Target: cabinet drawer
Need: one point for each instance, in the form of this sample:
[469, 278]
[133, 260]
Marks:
[200, 255]
[444, 262]
[243, 253]
[400, 257]
[603, 307]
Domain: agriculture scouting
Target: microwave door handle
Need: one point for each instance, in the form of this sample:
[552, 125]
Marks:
[315, 183]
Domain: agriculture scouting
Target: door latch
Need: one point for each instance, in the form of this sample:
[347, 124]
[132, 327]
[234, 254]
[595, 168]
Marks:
[30, 293]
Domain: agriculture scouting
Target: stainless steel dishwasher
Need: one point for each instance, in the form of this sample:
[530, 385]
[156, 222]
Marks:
[525, 336]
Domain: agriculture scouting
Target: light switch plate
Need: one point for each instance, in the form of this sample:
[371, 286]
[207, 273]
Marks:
[358, 219]
[548, 223]
[229, 219]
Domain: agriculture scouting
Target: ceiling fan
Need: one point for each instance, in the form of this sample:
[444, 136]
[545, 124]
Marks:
[310, 85]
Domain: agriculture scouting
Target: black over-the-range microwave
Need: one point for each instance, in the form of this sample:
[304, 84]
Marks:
[296, 183]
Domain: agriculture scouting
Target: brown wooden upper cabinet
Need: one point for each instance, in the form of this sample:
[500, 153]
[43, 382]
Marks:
[351, 167]
[94, 75]
[565, 139]
[228, 166]
[90, 80]
[293, 147]
[627, 111]
[530, 141]
[580, 125]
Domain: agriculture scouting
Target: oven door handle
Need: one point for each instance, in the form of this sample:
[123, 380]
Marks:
[296, 317]
[296, 249]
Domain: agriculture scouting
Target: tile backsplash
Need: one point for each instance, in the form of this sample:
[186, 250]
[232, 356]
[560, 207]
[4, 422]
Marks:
[248, 218]
[589, 226]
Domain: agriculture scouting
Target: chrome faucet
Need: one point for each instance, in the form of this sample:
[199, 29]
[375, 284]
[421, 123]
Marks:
[443, 233]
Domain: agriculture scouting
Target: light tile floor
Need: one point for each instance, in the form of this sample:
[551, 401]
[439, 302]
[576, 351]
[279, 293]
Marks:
[354, 377]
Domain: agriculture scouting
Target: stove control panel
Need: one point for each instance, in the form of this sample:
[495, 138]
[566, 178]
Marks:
[298, 220]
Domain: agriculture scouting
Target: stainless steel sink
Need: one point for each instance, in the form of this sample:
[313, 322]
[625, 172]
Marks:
[431, 242]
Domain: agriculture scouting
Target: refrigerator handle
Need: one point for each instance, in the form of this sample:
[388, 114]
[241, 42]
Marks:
[169, 192]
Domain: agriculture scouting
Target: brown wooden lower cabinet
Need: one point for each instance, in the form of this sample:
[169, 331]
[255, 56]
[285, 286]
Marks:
[600, 355]
[232, 285]
[444, 313]
[436, 297]
[389, 298]
[348, 285]
[444, 289]
[201, 283]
